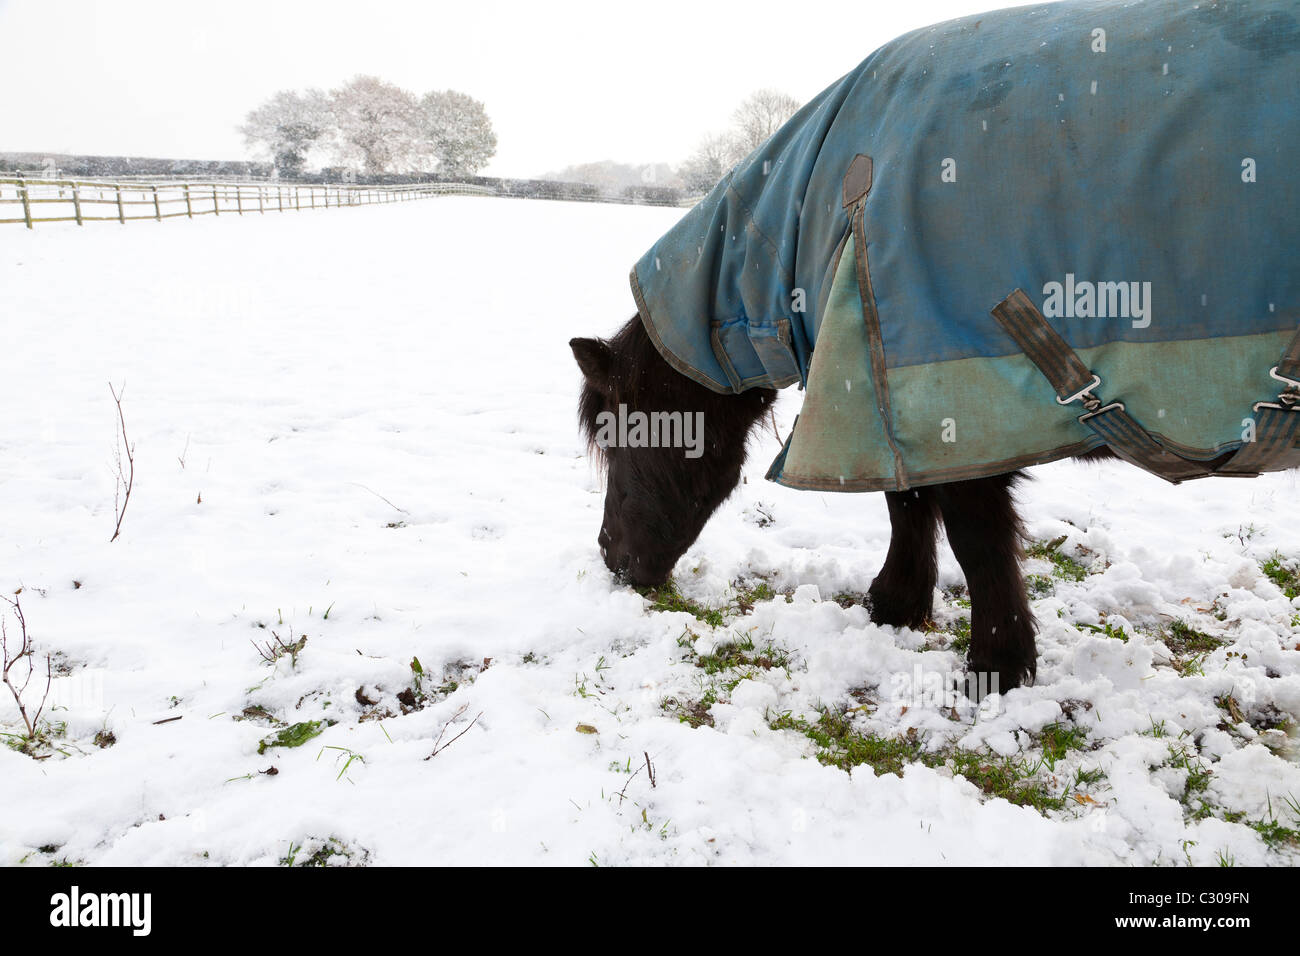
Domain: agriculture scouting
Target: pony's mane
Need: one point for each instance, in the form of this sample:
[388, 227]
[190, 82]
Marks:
[637, 368]
[633, 356]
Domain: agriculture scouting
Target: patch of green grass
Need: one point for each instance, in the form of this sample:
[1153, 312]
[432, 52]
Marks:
[1063, 567]
[746, 598]
[48, 732]
[725, 666]
[1039, 585]
[1228, 703]
[1181, 638]
[668, 598]
[742, 653]
[423, 691]
[960, 631]
[1193, 666]
[1087, 778]
[1184, 757]
[957, 633]
[1058, 739]
[1275, 835]
[839, 745]
[315, 852]
[693, 713]
[346, 756]
[1106, 630]
[1287, 578]
[1012, 779]
[294, 735]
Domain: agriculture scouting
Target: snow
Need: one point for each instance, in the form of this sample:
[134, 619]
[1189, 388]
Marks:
[360, 426]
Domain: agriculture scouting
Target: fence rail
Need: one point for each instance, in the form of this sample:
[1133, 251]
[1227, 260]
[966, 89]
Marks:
[30, 201]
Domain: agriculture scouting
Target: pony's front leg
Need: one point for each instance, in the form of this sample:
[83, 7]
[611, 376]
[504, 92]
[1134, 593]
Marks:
[985, 533]
[902, 593]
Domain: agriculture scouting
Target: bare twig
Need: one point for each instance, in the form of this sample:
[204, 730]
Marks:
[125, 479]
[381, 498]
[438, 745]
[272, 651]
[25, 652]
[775, 431]
[648, 766]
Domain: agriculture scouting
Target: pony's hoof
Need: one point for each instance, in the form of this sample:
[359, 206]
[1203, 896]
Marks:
[988, 677]
[886, 610]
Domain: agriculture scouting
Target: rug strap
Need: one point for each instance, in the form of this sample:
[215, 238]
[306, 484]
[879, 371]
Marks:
[1074, 381]
[1276, 444]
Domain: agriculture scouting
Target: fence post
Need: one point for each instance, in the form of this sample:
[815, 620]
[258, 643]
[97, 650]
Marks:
[279, 195]
[216, 203]
[297, 198]
[27, 203]
[189, 206]
[157, 209]
[76, 202]
[239, 197]
[121, 210]
[261, 207]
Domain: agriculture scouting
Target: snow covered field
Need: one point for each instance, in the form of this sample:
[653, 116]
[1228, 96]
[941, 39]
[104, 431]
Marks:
[359, 426]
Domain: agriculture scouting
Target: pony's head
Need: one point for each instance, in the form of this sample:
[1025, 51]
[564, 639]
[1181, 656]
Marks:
[670, 448]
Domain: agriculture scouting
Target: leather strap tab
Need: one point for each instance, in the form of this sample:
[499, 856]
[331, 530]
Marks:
[857, 181]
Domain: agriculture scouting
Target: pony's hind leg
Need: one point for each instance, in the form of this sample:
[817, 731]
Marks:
[902, 593]
[985, 533]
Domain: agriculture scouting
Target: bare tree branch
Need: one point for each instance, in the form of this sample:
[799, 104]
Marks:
[25, 652]
[124, 480]
[438, 745]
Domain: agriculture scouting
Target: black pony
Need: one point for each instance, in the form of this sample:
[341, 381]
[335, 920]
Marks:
[657, 501]
[847, 248]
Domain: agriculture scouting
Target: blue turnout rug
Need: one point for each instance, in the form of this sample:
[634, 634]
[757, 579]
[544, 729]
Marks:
[1011, 238]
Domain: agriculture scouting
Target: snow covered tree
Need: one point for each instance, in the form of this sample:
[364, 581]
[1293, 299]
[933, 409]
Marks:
[761, 115]
[378, 125]
[288, 126]
[710, 162]
[758, 117]
[456, 132]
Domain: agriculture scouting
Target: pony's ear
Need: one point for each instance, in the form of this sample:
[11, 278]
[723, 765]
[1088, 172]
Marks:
[596, 361]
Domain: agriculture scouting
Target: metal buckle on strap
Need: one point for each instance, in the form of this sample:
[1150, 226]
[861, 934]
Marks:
[1288, 400]
[1084, 393]
[1090, 401]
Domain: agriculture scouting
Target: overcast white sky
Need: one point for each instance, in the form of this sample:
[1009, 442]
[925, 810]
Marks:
[564, 81]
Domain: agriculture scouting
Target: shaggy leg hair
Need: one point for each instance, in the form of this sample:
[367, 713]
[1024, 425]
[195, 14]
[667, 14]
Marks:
[986, 536]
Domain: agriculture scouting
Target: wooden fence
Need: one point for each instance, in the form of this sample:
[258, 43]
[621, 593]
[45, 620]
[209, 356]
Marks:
[30, 201]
